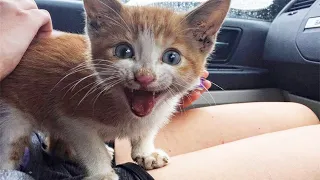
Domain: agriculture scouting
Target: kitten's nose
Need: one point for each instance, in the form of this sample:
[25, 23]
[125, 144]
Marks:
[144, 80]
[144, 77]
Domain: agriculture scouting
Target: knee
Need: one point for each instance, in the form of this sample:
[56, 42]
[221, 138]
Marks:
[303, 112]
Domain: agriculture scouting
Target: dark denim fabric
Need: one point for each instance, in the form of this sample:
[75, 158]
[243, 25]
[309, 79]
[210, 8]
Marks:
[38, 165]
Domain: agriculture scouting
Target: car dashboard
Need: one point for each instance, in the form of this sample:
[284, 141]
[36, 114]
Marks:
[292, 48]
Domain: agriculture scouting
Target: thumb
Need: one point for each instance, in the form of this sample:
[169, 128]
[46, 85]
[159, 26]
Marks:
[43, 19]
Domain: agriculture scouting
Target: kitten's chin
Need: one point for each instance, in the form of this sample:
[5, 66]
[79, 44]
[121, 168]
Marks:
[141, 101]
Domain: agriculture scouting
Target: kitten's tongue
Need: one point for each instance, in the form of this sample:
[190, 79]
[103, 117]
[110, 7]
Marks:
[142, 102]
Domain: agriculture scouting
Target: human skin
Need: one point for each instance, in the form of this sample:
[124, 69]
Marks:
[202, 128]
[192, 139]
[287, 155]
[17, 18]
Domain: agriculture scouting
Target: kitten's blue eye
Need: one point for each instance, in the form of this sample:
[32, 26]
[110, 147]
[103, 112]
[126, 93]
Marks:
[124, 51]
[171, 57]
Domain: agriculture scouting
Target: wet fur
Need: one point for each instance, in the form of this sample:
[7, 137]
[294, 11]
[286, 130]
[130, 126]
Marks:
[48, 91]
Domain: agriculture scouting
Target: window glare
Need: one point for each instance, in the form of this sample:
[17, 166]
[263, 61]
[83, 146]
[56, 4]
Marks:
[265, 10]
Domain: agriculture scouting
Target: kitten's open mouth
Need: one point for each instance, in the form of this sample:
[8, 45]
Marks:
[142, 101]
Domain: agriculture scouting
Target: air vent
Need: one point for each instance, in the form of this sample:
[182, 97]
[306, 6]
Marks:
[227, 40]
[301, 4]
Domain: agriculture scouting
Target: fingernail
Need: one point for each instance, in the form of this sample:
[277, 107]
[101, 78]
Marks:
[201, 86]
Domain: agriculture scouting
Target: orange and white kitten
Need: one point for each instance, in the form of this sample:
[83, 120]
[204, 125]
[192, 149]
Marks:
[123, 79]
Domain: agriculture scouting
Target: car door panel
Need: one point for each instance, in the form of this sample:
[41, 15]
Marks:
[239, 96]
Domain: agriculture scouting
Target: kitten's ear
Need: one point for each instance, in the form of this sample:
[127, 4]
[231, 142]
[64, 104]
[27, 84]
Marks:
[206, 20]
[101, 10]
[94, 7]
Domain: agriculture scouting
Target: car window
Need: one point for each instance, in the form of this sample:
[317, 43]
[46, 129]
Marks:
[265, 10]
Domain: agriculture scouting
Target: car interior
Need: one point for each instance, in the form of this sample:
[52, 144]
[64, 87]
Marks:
[266, 54]
[274, 59]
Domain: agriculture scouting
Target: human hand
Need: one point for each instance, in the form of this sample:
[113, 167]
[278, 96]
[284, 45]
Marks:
[21, 21]
[194, 95]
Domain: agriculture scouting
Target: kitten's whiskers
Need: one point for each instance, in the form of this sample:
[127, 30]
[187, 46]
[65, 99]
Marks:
[171, 91]
[107, 88]
[96, 84]
[187, 95]
[202, 94]
[78, 68]
[93, 89]
[217, 85]
[214, 101]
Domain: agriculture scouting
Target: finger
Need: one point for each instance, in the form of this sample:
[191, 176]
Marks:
[188, 100]
[195, 95]
[44, 23]
[192, 97]
[185, 103]
[46, 28]
[207, 84]
[26, 4]
[205, 74]
[204, 84]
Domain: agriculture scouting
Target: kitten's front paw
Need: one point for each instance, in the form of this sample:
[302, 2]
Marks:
[110, 176]
[157, 159]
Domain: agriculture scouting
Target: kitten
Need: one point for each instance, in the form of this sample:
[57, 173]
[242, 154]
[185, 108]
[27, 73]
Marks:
[123, 79]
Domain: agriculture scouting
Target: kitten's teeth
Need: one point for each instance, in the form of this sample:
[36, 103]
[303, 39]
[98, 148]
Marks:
[154, 93]
[132, 90]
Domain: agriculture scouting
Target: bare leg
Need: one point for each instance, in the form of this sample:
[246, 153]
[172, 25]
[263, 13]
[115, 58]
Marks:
[206, 127]
[287, 155]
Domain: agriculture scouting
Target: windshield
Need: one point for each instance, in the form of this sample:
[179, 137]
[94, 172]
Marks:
[265, 10]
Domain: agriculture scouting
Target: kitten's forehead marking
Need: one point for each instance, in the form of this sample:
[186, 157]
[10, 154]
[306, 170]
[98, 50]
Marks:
[145, 44]
[148, 48]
